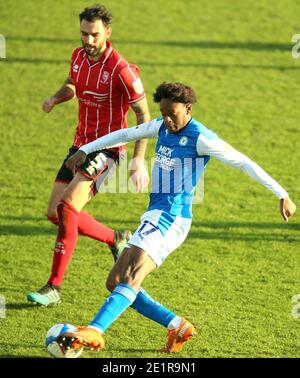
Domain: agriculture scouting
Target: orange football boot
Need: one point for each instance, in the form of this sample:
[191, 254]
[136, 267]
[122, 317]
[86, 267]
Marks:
[178, 336]
[83, 337]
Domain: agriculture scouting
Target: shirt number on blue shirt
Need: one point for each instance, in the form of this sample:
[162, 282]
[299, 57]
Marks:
[146, 229]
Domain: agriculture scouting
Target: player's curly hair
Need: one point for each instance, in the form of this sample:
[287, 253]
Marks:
[96, 12]
[176, 92]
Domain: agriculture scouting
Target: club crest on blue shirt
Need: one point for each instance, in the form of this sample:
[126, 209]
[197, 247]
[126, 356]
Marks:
[183, 141]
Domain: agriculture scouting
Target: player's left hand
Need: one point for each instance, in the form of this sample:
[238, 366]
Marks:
[287, 208]
[139, 175]
[75, 161]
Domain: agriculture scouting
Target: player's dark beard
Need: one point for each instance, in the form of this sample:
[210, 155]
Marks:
[92, 51]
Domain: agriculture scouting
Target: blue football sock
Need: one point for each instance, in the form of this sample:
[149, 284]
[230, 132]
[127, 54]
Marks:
[153, 310]
[121, 298]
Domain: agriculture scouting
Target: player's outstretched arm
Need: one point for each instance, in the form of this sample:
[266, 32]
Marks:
[114, 139]
[218, 148]
[65, 93]
[287, 208]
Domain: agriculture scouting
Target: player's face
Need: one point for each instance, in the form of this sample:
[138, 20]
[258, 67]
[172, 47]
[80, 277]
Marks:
[93, 37]
[175, 114]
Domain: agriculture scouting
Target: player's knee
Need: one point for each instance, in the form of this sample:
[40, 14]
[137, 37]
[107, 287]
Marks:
[52, 217]
[131, 281]
[111, 283]
[131, 277]
[133, 274]
[63, 209]
[52, 211]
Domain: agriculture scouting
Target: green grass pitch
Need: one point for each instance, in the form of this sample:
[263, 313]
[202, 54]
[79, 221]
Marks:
[238, 270]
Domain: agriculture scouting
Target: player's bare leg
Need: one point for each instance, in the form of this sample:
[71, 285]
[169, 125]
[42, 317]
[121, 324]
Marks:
[131, 268]
[55, 197]
[78, 192]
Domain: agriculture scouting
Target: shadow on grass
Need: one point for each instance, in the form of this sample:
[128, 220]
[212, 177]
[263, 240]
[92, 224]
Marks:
[4, 345]
[205, 230]
[242, 237]
[234, 231]
[200, 230]
[25, 230]
[12, 60]
[259, 225]
[246, 45]
[21, 229]
[135, 350]
[20, 306]
[9, 356]
[234, 45]
[22, 217]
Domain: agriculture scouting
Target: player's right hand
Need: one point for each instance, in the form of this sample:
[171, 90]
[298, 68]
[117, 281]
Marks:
[49, 104]
[75, 161]
[287, 208]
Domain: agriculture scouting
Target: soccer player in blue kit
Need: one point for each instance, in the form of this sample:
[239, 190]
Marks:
[183, 149]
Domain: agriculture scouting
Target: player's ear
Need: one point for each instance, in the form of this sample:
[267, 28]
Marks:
[188, 108]
[108, 32]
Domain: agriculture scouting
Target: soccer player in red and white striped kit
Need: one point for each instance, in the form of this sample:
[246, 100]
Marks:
[106, 86]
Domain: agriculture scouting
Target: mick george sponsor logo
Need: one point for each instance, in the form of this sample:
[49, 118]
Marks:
[164, 158]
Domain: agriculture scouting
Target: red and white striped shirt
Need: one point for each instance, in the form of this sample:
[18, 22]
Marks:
[104, 90]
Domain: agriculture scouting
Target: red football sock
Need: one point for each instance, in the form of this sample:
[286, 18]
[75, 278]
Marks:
[89, 226]
[65, 242]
